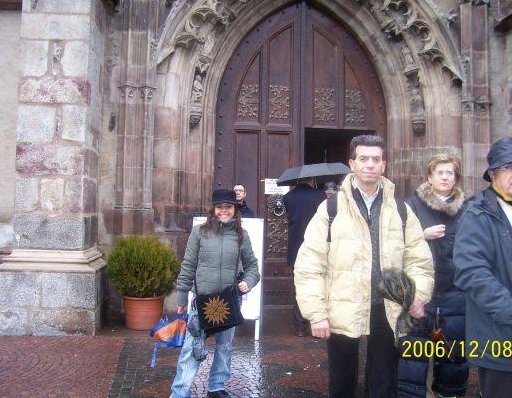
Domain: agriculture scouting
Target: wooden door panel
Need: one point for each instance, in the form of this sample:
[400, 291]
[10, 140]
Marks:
[278, 153]
[246, 162]
[325, 86]
[248, 103]
[355, 108]
[280, 73]
[298, 69]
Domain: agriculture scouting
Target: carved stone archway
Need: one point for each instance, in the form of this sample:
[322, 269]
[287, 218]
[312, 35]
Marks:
[415, 56]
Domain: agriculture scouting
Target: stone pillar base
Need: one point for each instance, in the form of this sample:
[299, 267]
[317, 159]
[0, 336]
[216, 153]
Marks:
[52, 292]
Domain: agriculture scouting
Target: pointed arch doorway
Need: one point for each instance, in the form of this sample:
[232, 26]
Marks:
[298, 87]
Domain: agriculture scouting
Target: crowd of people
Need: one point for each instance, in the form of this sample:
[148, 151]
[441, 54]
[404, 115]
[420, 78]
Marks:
[455, 253]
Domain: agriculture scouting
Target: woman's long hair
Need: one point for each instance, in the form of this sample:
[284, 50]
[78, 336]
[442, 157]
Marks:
[212, 224]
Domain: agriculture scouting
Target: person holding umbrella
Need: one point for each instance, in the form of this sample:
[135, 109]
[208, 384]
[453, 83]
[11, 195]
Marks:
[300, 204]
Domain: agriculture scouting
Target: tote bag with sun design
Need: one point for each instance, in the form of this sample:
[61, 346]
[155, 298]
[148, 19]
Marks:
[219, 311]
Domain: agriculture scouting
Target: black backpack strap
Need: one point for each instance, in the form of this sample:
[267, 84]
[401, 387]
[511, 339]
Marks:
[332, 209]
[402, 211]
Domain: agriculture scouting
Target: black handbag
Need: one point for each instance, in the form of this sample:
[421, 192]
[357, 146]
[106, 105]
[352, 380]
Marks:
[219, 311]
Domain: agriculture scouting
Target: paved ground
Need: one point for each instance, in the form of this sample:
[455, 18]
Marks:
[117, 365]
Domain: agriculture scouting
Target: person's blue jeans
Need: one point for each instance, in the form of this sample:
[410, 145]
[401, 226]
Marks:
[187, 368]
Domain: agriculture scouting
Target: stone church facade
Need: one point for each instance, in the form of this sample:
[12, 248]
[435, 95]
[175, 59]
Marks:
[121, 116]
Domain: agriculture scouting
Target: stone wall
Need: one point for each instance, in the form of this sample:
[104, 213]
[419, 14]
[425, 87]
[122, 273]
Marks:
[53, 282]
[500, 73]
[10, 22]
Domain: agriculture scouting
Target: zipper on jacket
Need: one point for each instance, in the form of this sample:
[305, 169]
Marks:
[221, 254]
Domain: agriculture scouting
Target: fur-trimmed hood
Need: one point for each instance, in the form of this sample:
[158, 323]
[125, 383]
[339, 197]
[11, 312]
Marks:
[431, 198]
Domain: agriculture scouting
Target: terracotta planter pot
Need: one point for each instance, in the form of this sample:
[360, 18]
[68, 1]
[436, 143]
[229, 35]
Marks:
[142, 313]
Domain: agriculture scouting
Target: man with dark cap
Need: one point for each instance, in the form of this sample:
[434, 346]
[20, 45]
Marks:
[483, 269]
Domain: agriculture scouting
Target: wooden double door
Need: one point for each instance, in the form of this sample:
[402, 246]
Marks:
[296, 90]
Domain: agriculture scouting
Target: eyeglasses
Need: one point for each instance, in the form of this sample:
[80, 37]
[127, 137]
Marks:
[447, 173]
[238, 190]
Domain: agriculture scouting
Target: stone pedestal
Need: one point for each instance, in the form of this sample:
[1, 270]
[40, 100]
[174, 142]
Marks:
[52, 292]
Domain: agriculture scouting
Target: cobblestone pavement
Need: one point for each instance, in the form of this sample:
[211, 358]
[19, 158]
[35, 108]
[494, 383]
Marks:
[114, 367]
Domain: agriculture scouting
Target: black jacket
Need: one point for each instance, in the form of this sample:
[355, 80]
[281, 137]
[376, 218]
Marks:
[301, 204]
[245, 211]
[447, 304]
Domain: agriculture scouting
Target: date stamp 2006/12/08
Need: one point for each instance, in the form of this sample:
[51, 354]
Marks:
[447, 349]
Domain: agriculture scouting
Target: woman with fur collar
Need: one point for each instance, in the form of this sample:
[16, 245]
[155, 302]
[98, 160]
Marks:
[438, 204]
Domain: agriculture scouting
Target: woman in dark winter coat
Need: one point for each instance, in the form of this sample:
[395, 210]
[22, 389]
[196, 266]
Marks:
[438, 204]
[211, 259]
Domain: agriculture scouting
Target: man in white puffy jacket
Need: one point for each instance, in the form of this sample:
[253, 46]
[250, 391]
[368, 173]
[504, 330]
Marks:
[336, 282]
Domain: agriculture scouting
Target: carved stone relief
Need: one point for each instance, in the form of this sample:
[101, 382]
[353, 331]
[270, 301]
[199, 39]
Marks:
[410, 66]
[197, 90]
[146, 93]
[199, 27]
[418, 116]
[249, 101]
[127, 92]
[355, 109]
[324, 104]
[279, 102]
[396, 17]
[195, 117]
[451, 17]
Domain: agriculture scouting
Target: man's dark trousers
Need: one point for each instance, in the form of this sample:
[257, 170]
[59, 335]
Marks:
[493, 383]
[382, 360]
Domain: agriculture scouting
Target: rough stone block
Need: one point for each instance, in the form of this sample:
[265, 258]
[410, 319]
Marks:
[53, 287]
[53, 90]
[81, 291]
[52, 194]
[35, 58]
[27, 194]
[55, 27]
[6, 236]
[36, 124]
[54, 233]
[162, 154]
[13, 322]
[74, 59]
[74, 123]
[19, 289]
[63, 322]
[81, 195]
[54, 160]
[68, 7]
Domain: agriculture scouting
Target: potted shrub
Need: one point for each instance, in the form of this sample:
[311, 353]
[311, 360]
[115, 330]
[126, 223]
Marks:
[144, 271]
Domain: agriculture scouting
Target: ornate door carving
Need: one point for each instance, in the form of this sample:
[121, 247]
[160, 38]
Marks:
[299, 68]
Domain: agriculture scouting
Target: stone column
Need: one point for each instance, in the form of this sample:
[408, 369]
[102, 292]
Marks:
[476, 123]
[53, 283]
[133, 211]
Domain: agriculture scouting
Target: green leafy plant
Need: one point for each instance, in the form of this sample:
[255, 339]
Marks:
[141, 266]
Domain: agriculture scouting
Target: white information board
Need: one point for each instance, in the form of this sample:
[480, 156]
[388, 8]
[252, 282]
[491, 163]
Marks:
[251, 302]
[271, 187]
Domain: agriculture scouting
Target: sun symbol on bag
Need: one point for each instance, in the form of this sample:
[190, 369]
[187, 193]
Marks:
[216, 310]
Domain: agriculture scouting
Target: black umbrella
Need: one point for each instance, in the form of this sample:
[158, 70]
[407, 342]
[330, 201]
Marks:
[316, 170]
